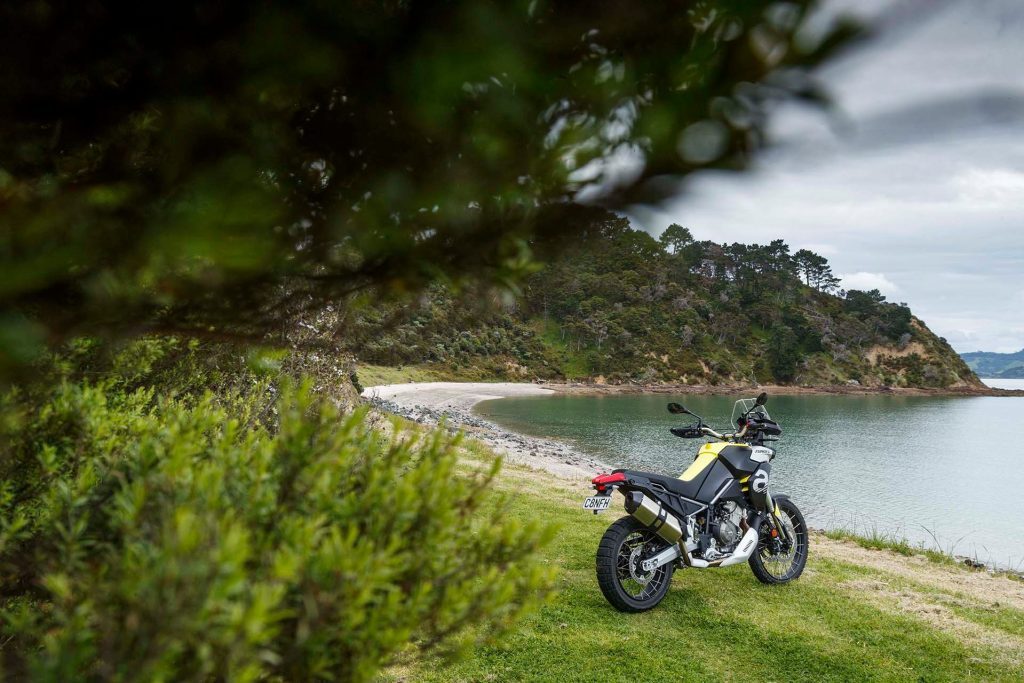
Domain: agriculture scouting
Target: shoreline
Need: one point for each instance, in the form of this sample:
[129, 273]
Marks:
[590, 388]
[451, 403]
[431, 403]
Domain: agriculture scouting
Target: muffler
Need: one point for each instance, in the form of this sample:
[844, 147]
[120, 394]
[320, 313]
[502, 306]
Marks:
[653, 514]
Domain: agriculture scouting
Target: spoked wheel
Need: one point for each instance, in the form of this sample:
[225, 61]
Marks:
[625, 545]
[776, 560]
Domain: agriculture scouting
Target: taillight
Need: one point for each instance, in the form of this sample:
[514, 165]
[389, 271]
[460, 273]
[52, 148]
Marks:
[602, 481]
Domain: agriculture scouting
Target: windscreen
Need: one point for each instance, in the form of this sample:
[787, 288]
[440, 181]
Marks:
[748, 404]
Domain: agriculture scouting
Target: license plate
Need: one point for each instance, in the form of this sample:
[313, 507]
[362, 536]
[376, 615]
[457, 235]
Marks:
[597, 503]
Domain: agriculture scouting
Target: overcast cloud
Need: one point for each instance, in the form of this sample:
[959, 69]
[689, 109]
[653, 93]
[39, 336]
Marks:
[923, 198]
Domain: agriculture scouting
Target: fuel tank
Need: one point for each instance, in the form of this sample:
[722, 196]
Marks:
[717, 464]
[734, 456]
[737, 457]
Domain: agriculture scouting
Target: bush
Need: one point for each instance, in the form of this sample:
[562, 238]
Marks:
[154, 538]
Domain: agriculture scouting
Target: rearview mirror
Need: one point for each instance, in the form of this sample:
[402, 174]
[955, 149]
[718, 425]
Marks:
[762, 399]
[677, 409]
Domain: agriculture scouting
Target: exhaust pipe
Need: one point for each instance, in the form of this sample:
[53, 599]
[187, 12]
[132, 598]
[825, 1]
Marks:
[653, 514]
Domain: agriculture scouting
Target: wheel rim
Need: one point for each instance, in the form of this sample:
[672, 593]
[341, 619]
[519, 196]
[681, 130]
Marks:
[634, 582]
[781, 564]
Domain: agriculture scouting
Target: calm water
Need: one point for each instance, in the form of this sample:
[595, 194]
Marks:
[902, 465]
[1005, 383]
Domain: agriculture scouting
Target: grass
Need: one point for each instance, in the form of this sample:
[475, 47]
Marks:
[572, 364]
[375, 375]
[879, 540]
[833, 624]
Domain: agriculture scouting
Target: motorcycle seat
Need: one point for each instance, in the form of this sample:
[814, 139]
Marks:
[687, 489]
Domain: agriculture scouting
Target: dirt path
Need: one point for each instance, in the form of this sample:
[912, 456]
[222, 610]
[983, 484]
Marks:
[979, 608]
[979, 585]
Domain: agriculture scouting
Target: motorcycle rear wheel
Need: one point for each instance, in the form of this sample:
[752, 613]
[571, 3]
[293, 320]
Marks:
[625, 544]
[769, 564]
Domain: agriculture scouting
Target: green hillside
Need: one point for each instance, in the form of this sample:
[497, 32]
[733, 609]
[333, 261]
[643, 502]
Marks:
[621, 306]
[996, 365]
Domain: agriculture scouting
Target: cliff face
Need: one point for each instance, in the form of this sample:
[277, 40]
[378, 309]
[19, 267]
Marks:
[624, 307]
[925, 360]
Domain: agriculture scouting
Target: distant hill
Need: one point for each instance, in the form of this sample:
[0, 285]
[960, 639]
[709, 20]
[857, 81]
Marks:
[996, 365]
[621, 306]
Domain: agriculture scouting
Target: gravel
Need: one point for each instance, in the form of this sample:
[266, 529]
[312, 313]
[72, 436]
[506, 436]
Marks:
[450, 404]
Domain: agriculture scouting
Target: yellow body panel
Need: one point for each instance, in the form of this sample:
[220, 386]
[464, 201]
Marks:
[705, 456]
[702, 462]
[715, 447]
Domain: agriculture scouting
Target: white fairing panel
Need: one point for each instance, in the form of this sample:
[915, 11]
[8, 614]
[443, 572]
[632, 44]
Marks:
[744, 549]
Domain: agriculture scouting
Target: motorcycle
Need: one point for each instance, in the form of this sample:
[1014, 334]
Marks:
[718, 513]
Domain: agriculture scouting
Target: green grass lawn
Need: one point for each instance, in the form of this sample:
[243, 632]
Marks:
[843, 620]
[376, 375]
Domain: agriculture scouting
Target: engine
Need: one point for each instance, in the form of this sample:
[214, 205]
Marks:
[725, 525]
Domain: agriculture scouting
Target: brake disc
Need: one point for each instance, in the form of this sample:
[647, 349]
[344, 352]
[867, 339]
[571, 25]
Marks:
[634, 567]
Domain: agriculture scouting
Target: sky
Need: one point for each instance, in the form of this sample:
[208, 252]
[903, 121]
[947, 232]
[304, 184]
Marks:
[920, 193]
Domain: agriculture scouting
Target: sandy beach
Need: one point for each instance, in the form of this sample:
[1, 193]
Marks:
[430, 403]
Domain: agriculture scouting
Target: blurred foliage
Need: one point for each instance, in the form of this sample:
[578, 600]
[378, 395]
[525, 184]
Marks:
[628, 307]
[185, 535]
[217, 167]
[249, 175]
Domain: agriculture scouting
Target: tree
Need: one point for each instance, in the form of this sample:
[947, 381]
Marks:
[777, 257]
[827, 282]
[675, 239]
[783, 354]
[863, 303]
[804, 259]
[210, 168]
[815, 270]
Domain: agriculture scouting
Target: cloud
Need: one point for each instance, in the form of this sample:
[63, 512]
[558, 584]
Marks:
[995, 187]
[931, 212]
[979, 333]
[869, 281]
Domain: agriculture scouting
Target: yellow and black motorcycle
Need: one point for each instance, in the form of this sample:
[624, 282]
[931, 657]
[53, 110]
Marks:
[718, 513]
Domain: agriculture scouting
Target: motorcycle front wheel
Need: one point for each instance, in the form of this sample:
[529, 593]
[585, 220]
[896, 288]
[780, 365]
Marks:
[776, 561]
[624, 584]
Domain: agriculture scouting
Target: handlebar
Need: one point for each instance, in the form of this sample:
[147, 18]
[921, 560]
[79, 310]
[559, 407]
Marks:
[724, 437]
[703, 430]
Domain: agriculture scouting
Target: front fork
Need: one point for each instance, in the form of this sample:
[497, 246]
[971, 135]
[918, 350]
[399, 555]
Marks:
[775, 521]
[764, 503]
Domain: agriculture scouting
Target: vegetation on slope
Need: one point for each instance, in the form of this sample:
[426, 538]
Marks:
[622, 306]
[854, 615]
[996, 365]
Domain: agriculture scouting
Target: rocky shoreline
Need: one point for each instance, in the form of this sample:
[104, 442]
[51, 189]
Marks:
[553, 456]
[431, 403]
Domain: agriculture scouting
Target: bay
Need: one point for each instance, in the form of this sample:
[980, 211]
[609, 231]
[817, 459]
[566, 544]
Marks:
[940, 471]
[996, 383]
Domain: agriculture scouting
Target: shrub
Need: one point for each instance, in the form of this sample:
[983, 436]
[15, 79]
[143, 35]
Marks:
[153, 538]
